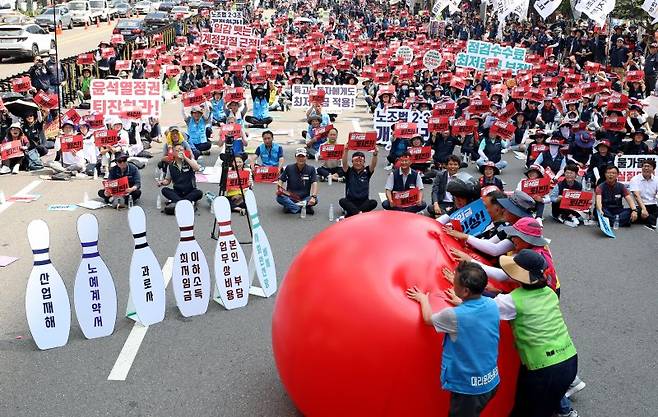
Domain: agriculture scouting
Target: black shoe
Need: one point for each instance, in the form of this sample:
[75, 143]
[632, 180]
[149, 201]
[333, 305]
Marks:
[309, 210]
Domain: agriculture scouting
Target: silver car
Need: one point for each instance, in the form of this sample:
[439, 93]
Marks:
[61, 17]
[24, 40]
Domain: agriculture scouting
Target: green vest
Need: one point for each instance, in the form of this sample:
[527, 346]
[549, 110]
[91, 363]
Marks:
[541, 336]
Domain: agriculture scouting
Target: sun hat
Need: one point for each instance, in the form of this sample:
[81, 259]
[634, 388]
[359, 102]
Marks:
[605, 143]
[528, 229]
[537, 168]
[526, 267]
[519, 204]
[489, 164]
[314, 117]
[584, 139]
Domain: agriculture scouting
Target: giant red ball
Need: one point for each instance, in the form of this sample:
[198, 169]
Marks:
[348, 342]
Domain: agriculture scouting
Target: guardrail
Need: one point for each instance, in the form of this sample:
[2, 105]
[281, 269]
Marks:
[74, 70]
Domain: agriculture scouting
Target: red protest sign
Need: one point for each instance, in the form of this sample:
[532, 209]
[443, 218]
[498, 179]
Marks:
[95, 121]
[592, 67]
[463, 127]
[420, 154]
[322, 131]
[535, 94]
[233, 94]
[405, 198]
[634, 76]
[123, 65]
[518, 93]
[618, 103]
[438, 124]
[108, 53]
[446, 109]
[85, 59]
[46, 100]
[73, 115]
[503, 129]
[614, 123]
[11, 149]
[537, 187]
[181, 40]
[458, 82]
[330, 152]
[491, 63]
[576, 200]
[21, 84]
[106, 137]
[382, 77]
[536, 149]
[116, 39]
[316, 96]
[233, 130]
[235, 182]
[266, 174]
[509, 111]
[71, 143]
[362, 141]
[131, 113]
[572, 95]
[479, 106]
[116, 188]
[405, 130]
[193, 98]
[157, 37]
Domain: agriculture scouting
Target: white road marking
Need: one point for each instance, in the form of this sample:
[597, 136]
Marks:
[31, 186]
[382, 197]
[129, 351]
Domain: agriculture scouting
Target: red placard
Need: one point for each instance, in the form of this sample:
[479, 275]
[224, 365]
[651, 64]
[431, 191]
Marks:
[194, 97]
[157, 37]
[85, 59]
[572, 95]
[479, 106]
[503, 129]
[72, 115]
[518, 93]
[535, 94]
[11, 149]
[116, 39]
[618, 103]
[438, 124]
[592, 67]
[21, 84]
[46, 100]
[382, 77]
[316, 96]
[234, 182]
[108, 52]
[362, 141]
[458, 82]
[537, 187]
[463, 127]
[266, 174]
[71, 143]
[576, 200]
[491, 63]
[405, 130]
[420, 154]
[614, 123]
[123, 65]
[322, 131]
[106, 137]
[634, 76]
[181, 40]
[406, 198]
[95, 121]
[330, 152]
[536, 149]
[446, 109]
[509, 111]
[116, 188]
[233, 94]
[131, 113]
[233, 130]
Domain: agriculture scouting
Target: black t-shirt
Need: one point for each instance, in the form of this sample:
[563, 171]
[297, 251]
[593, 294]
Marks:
[299, 181]
[357, 184]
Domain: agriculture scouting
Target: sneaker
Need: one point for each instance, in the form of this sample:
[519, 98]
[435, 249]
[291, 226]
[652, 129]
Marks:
[301, 203]
[340, 219]
[5, 170]
[388, 146]
[389, 167]
[651, 227]
[310, 211]
[571, 222]
[323, 179]
[572, 413]
[557, 219]
[61, 176]
[576, 386]
[15, 169]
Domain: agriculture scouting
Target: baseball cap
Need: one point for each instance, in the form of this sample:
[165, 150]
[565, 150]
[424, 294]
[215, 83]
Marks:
[300, 152]
[519, 204]
[526, 267]
[196, 109]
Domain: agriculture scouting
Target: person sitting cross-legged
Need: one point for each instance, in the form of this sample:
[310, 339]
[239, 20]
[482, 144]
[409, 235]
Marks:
[301, 185]
[404, 179]
[357, 183]
[181, 174]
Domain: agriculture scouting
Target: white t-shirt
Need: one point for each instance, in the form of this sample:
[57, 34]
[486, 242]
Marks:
[648, 188]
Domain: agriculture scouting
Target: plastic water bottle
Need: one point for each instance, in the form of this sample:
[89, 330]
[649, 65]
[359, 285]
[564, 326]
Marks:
[615, 224]
[330, 179]
[331, 212]
[95, 174]
[130, 201]
[158, 202]
[588, 185]
[302, 213]
[86, 197]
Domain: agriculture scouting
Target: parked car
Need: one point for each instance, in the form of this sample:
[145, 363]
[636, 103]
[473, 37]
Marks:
[194, 4]
[105, 8]
[14, 19]
[144, 7]
[180, 11]
[165, 6]
[82, 13]
[156, 20]
[48, 20]
[28, 40]
[129, 28]
[124, 9]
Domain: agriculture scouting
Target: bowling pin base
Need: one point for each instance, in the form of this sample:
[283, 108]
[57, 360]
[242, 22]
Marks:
[217, 298]
[131, 313]
[253, 289]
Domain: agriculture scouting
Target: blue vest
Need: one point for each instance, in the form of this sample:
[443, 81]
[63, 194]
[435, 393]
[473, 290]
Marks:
[197, 131]
[261, 108]
[271, 157]
[469, 365]
[398, 185]
[218, 109]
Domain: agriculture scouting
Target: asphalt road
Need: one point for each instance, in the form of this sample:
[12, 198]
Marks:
[221, 364]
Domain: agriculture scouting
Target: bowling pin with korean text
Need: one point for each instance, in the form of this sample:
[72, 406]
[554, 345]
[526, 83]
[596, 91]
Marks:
[261, 254]
[231, 270]
[94, 295]
[190, 274]
[147, 289]
[46, 301]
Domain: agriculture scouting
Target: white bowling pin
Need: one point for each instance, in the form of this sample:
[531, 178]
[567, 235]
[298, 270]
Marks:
[191, 274]
[94, 295]
[147, 289]
[231, 269]
[46, 301]
[261, 253]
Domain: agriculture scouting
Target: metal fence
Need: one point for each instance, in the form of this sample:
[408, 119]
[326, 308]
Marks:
[124, 52]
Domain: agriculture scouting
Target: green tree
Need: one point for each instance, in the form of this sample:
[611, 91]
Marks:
[632, 10]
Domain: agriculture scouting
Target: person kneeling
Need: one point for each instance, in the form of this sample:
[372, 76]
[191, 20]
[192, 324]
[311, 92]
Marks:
[404, 179]
[181, 173]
